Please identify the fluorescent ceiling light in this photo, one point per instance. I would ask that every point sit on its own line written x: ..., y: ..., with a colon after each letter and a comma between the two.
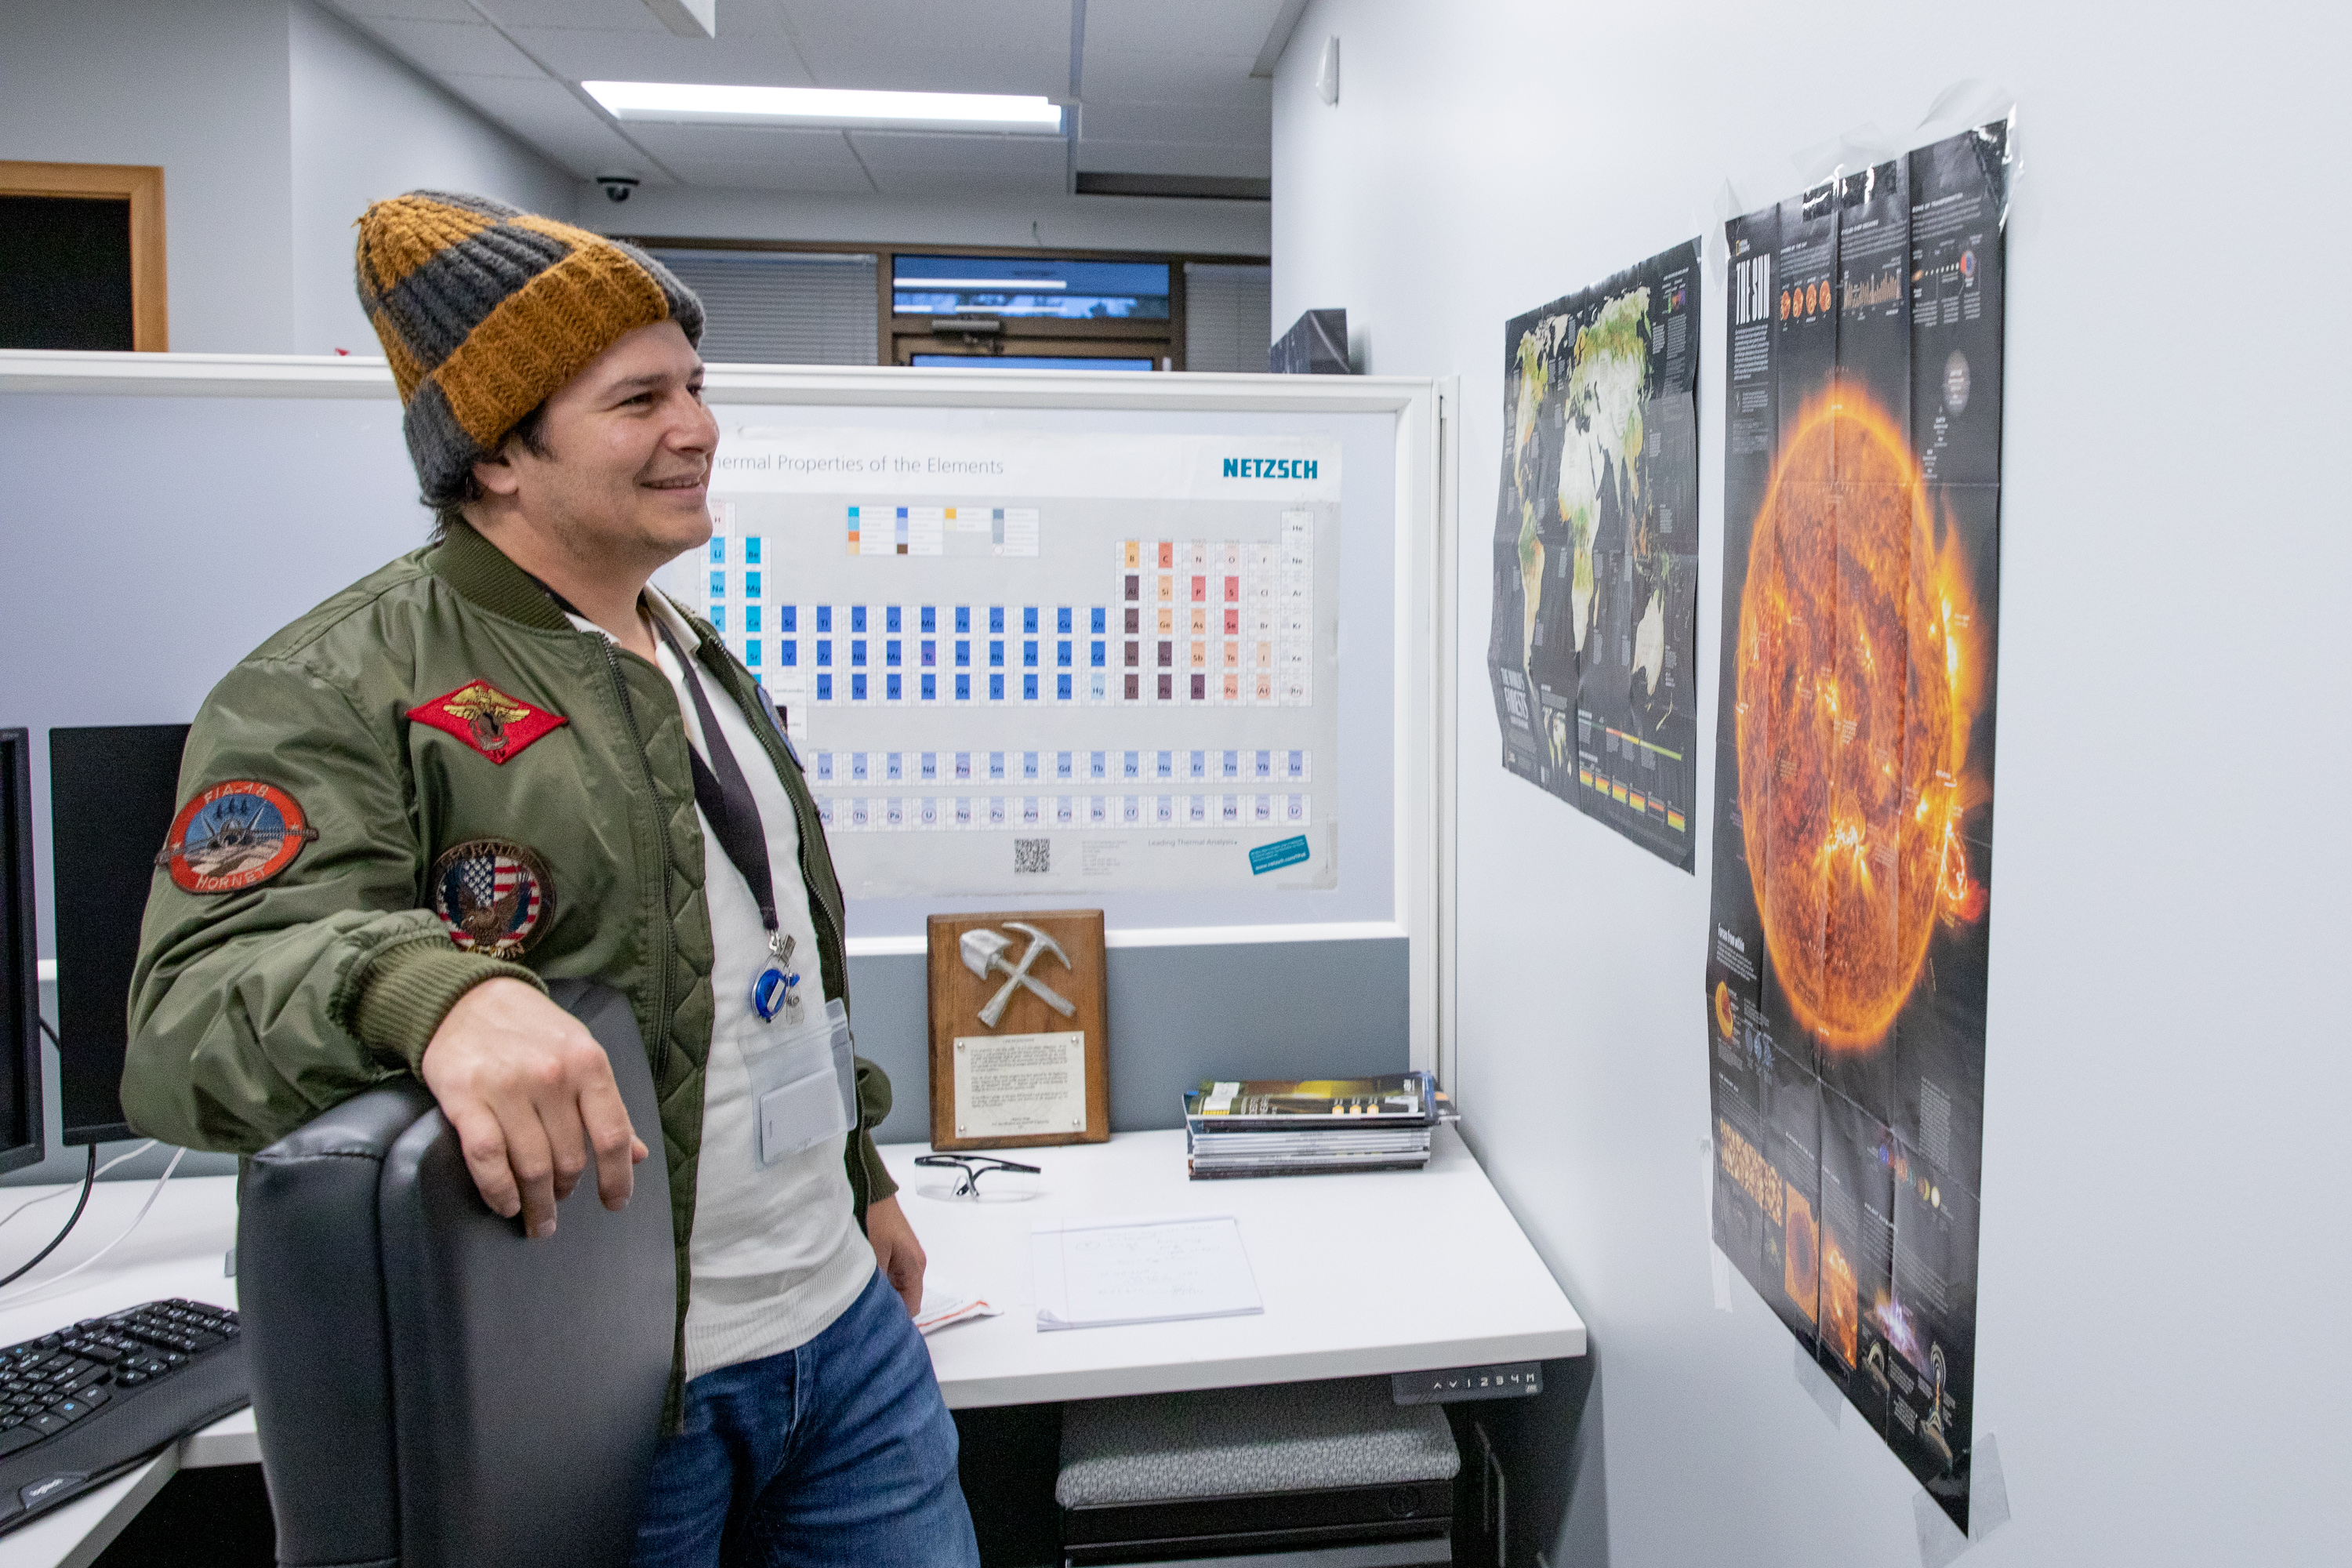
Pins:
x: 696, y: 103
x: 997, y: 285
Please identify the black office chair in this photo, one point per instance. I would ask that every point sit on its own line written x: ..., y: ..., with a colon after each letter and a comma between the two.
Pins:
x: 433, y: 1389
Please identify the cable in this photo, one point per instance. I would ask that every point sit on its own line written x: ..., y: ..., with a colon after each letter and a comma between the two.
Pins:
x: 48, y: 1197
x: 29, y: 1203
x: 61, y: 1192
x: 88, y: 1182
x: 35, y: 1292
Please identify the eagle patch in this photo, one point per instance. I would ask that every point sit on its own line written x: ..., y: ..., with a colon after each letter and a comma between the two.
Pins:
x: 493, y: 894
x: 497, y: 726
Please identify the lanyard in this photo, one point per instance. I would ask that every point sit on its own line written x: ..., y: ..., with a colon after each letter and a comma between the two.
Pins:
x: 725, y: 796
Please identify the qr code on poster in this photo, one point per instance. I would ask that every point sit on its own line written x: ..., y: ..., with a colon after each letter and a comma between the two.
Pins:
x: 1032, y: 857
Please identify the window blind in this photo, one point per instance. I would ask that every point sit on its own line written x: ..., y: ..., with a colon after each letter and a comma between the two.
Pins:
x: 777, y: 307
x: 1228, y: 316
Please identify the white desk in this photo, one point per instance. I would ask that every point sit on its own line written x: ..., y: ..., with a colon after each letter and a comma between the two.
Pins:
x: 179, y: 1250
x: 1388, y: 1271
x: 1385, y: 1271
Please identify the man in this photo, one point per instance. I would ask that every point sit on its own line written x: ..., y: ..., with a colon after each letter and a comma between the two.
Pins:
x: 502, y: 760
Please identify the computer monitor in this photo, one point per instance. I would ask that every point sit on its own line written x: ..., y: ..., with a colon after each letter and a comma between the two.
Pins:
x: 112, y: 794
x: 20, y: 987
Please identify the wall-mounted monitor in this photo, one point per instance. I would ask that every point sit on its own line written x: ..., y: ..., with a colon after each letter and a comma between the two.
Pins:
x: 1039, y: 287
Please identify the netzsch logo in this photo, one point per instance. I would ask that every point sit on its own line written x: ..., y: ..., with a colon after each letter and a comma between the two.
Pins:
x: 1270, y: 467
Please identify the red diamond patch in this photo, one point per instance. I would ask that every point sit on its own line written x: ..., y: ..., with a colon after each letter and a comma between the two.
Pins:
x: 499, y: 726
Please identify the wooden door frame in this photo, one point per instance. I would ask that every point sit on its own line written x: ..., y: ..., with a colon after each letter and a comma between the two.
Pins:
x: 140, y: 184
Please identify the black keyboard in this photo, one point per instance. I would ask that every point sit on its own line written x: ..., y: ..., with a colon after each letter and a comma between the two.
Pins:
x: 80, y: 1406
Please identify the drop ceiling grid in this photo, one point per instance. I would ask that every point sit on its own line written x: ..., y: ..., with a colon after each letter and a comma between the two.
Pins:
x: 547, y: 116
x: 757, y: 158
x: 1228, y: 28
x: 913, y: 163
x: 1166, y: 90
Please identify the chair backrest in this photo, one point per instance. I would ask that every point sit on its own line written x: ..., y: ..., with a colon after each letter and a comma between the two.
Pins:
x: 432, y: 1388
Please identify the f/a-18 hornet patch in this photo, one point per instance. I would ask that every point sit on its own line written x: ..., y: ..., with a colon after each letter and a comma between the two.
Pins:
x: 499, y: 726
x: 234, y: 836
x: 493, y: 894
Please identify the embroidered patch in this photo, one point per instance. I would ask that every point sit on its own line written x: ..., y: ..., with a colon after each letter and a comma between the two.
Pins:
x: 499, y: 726
x: 232, y: 836
x: 493, y: 894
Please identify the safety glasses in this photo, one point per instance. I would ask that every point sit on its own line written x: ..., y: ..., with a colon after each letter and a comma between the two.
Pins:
x: 971, y: 1168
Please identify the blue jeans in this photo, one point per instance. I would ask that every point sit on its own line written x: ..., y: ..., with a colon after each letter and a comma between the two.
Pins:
x: 840, y: 1452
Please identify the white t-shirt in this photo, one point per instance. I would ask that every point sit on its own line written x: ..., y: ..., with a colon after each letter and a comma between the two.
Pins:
x: 776, y: 1254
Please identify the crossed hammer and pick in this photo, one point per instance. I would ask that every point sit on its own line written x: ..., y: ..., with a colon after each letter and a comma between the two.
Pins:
x: 983, y: 954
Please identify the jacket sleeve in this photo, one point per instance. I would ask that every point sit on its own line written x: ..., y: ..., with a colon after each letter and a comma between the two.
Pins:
x: 252, y: 1011
x: 869, y: 1179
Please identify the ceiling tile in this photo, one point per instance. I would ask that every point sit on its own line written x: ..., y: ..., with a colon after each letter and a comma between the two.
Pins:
x: 1250, y: 126
x: 1163, y: 76
x: 913, y: 163
x: 619, y: 16
x: 727, y: 174
x: 1234, y: 161
x: 588, y: 53
x: 1201, y: 26
x: 545, y: 114
x: 934, y: 45
x: 1166, y: 90
x: 1024, y: 73
x: 441, y: 49
x: 756, y: 158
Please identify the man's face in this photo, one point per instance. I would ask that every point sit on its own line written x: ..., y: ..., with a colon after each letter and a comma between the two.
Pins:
x: 628, y: 448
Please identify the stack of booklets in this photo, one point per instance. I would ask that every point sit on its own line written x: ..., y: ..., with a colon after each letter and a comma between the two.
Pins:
x: 1288, y: 1127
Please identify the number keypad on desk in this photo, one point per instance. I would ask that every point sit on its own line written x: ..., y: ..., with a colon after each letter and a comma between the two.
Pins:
x: 81, y: 1404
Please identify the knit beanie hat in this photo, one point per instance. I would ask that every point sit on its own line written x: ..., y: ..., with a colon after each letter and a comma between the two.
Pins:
x: 486, y: 312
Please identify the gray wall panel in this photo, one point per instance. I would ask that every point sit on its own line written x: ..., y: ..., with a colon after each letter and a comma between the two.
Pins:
x: 1178, y: 1014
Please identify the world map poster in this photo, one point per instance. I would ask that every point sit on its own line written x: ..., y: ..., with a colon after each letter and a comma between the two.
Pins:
x: 1596, y: 551
x: 1853, y: 864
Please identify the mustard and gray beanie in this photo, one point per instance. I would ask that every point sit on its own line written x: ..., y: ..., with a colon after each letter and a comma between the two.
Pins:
x: 486, y: 312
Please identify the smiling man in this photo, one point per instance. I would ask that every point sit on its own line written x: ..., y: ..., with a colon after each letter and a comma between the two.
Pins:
x: 503, y: 760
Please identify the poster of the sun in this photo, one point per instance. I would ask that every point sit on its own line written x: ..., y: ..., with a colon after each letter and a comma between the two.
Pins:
x: 1852, y: 865
x: 1596, y: 551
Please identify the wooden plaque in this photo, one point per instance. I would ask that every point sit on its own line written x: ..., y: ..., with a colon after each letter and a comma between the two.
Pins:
x: 1023, y: 1081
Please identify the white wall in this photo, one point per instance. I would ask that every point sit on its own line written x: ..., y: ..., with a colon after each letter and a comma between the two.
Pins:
x: 1061, y: 222
x: 2164, y: 1282
x: 198, y: 88
x: 275, y: 125
x: 366, y: 127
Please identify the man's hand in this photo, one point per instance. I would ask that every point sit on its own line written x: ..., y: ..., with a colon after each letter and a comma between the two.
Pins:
x: 896, y: 1250
x: 530, y: 1092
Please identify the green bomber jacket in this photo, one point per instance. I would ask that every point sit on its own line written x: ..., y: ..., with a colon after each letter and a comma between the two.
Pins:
x: 304, y: 981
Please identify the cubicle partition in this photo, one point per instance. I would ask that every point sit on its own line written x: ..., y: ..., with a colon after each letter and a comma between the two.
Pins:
x: 167, y: 512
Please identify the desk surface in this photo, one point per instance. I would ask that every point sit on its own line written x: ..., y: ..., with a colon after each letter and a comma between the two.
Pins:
x: 1387, y: 1271
x: 181, y: 1249
x: 1379, y: 1272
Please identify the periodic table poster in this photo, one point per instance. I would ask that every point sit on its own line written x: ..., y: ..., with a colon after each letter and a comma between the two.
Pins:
x: 1033, y: 661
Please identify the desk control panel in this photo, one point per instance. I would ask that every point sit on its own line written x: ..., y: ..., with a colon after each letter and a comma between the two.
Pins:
x: 1507, y: 1380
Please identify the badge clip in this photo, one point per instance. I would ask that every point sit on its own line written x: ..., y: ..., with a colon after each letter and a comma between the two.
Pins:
x: 777, y: 987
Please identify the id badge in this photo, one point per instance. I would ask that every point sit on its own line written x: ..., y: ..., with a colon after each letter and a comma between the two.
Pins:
x: 795, y: 1093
